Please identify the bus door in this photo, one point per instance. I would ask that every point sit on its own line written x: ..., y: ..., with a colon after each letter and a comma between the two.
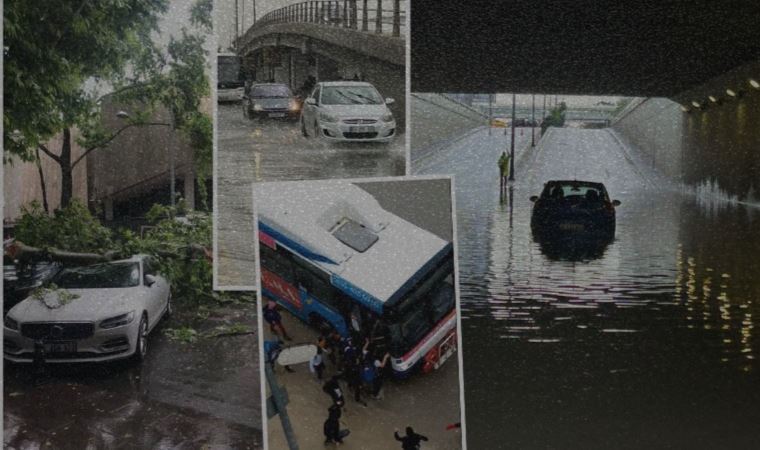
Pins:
x: 321, y: 300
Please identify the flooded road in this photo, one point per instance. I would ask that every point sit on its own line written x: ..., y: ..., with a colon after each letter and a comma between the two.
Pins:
x: 201, y: 395
x: 647, y: 342
x: 274, y: 150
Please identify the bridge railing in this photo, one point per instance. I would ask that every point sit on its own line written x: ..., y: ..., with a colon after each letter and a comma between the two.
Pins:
x: 371, y: 16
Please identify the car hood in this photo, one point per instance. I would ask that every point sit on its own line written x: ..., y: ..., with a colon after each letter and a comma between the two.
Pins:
x: 90, y: 305
x: 272, y: 102
x: 347, y: 111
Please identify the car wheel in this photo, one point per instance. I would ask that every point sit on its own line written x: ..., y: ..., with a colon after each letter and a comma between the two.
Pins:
x: 141, y: 347
x: 303, y: 128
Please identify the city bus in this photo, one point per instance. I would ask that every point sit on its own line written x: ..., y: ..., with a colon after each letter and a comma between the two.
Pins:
x: 229, y: 78
x: 334, y: 258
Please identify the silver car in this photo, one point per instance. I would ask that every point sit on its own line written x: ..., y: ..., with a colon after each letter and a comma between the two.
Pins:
x: 348, y: 111
x: 98, y: 313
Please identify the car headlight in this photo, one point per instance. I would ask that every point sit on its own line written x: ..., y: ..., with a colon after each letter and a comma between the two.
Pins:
x: 388, y: 118
x: 294, y: 105
x: 118, y: 321
x: 257, y: 107
x: 11, y: 323
x: 327, y: 118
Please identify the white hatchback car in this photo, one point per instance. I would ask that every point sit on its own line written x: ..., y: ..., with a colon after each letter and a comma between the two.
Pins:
x: 99, y: 313
x: 348, y: 111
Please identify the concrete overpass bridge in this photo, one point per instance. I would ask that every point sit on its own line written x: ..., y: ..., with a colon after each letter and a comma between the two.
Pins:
x: 331, y: 40
x: 696, y: 63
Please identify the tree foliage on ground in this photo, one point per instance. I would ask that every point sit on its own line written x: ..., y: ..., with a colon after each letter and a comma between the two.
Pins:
x: 179, y: 243
x: 556, y: 117
x: 70, y: 229
x: 57, y: 52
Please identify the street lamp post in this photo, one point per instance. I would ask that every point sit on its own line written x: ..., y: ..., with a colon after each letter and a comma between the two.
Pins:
x: 172, y: 193
x: 512, y: 142
x: 533, y: 121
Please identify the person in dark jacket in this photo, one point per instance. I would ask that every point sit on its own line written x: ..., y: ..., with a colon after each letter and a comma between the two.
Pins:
x: 332, y: 388
x: 274, y: 319
x: 411, y: 441
x: 331, y: 427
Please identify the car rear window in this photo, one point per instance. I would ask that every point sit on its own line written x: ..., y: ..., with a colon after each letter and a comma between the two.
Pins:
x: 270, y: 91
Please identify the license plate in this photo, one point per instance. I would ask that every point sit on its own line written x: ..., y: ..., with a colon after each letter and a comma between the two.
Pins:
x: 61, y: 347
x: 571, y: 226
x: 276, y: 114
x: 361, y: 129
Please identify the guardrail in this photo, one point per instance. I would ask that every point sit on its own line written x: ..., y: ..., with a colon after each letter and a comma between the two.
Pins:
x: 371, y: 16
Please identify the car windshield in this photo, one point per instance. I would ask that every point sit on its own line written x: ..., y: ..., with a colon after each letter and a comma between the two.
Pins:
x: 422, y: 309
x: 350, y: 95
x: 270, y: 91
x: 109, y: 275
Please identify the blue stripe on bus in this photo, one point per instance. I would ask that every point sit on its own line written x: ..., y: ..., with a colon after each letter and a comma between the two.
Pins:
x: 419, y: 274
x: 357, y: 293
x: 295, y: 246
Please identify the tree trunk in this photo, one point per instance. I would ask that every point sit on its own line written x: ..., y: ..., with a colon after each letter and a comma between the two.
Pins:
x: 42, y: 182
x: 67, y: 180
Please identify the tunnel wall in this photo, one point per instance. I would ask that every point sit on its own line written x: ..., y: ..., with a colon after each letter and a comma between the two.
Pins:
x: 715, y: 151
x: 437, y: 119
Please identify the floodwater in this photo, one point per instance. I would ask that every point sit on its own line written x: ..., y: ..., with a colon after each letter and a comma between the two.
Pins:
x: 251, y: 151
x: 649, y: 341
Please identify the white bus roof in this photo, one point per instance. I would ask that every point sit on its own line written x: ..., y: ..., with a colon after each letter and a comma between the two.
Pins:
x: 304, y: 217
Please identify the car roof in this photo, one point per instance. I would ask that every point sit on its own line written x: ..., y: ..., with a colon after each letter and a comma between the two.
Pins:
x: 576, y: 183
x: 345, y: 83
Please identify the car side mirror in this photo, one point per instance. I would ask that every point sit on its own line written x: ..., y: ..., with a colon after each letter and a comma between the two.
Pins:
x: 616, y: 203
x: 150, y: 280
x: 534, y: 198
x: 389, y: 101
x: 311, y: 101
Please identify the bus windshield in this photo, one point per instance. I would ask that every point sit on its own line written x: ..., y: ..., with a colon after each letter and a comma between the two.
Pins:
x: 428, y: 302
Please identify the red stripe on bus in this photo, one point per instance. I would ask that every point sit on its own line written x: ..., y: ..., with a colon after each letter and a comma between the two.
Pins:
x: 432, y: 332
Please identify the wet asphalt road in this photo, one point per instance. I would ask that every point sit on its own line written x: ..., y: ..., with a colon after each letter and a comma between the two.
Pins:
x: 274, y: 150
x: 648, y: 342
x: 184, y: 396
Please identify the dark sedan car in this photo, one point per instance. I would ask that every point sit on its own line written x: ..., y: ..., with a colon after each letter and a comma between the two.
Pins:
x: 18, y: 282
x: 271, y: 100
x: 571, y: 208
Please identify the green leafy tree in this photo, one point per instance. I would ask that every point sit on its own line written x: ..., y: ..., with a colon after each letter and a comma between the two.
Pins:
x: 556, y: 117
x: 70, y: 229
x: 57, y: 51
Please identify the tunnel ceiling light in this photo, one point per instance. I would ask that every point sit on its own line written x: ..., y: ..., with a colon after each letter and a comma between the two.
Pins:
x: 730, y: 93
x: 712, y: 99
x: 696, y: 104
x: 754, y: 83
x: 684, y: 109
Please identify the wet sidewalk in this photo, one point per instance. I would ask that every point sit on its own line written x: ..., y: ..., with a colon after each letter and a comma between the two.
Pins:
x: 204, y: 395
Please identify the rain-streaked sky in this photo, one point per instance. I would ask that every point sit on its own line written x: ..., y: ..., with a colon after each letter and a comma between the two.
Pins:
x: 570, y: 100
x: 224, y: 16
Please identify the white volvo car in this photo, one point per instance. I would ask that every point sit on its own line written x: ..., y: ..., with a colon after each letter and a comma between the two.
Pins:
x: 348, y: 111
x: 97, y: 313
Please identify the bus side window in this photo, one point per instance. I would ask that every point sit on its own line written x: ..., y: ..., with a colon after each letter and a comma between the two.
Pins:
x: 318, y: 285
x: 276, y: 262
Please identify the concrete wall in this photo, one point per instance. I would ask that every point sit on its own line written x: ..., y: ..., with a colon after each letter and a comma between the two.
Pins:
x: 21, y: 180
x: 715, y: 150
x: 437, y: 119
x: 138, y: 160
